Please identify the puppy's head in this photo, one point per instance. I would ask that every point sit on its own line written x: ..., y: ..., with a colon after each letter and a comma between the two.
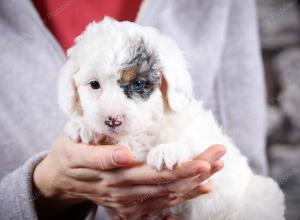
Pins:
x: 120, y: 77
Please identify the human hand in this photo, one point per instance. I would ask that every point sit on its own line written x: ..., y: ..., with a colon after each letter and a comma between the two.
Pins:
x: 180, y: 186
x: 68, y: 171
x: 72, y: 173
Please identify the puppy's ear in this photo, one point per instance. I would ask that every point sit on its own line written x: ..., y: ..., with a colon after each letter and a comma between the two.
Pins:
x: 176, y: 80
x: 68, y: 98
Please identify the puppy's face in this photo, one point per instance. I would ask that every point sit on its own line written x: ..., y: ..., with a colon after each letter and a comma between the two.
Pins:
x: 113, y: 77
x: 122, y: 95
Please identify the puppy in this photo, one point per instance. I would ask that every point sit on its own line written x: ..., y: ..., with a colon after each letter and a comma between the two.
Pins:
x: 129, y: 85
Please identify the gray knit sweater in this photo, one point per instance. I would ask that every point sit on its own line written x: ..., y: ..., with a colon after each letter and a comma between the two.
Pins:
x: 220, y: 41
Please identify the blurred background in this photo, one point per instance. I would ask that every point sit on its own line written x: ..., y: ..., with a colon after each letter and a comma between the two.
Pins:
x: 279, y: 22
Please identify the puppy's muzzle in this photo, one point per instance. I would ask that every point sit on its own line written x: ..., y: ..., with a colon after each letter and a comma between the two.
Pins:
x: 113, y: 121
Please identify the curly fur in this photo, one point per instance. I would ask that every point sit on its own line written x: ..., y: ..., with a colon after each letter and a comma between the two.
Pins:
x: 163, y: 126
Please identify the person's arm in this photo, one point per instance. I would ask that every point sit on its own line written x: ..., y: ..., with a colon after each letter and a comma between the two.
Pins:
x: 17, y: 194
x: 19, y: 197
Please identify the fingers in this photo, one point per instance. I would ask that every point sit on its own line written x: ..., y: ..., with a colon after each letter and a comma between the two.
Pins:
x: 136, y: 194
x: 85, y: 174
x: 105, y: 157
x: 188, y: 184
x: 200, y: 190
x: 140, y: 193
x: 191, y: 168
x: 141, y: 209
x: 212, y: 154
x: 218, y: 165
x: 190, y: 188
x: 144, y: 175
x: 151, y: 205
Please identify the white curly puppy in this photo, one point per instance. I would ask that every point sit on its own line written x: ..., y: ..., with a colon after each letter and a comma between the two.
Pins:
x: 130, y: 85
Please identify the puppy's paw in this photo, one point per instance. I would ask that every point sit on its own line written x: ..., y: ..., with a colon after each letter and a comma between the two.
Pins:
x: 168, y: 155
x: 78, y: 131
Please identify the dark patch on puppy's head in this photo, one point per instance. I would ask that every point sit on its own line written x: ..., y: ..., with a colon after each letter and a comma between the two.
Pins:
x: 129, y: 74
x: 140, y: 76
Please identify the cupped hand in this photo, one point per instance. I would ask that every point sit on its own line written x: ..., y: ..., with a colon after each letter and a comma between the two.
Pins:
x: 107, y: 175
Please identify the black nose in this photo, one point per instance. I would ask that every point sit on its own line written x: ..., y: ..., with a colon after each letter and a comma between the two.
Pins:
x: 113, y: 122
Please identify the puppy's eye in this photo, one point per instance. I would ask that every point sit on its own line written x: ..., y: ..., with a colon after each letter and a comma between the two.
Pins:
x: 138, y: 85
x: 95, y: 84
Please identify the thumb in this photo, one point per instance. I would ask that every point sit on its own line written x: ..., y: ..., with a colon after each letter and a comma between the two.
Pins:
x: 103, y: 157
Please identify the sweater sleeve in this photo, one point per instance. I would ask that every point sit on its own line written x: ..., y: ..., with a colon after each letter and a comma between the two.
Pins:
x: 16, y: 189
x: 18, y: 195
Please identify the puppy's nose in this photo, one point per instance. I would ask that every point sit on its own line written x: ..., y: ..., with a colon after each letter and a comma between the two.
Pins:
x: 113, y: 121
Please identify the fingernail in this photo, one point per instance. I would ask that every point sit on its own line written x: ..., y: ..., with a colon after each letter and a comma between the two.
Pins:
x: 222, y: 152
x: 218, y: 166
x: 121, y: 156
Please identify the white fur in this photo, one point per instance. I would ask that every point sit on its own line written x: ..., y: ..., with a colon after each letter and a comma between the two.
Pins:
x: 163, y: 138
